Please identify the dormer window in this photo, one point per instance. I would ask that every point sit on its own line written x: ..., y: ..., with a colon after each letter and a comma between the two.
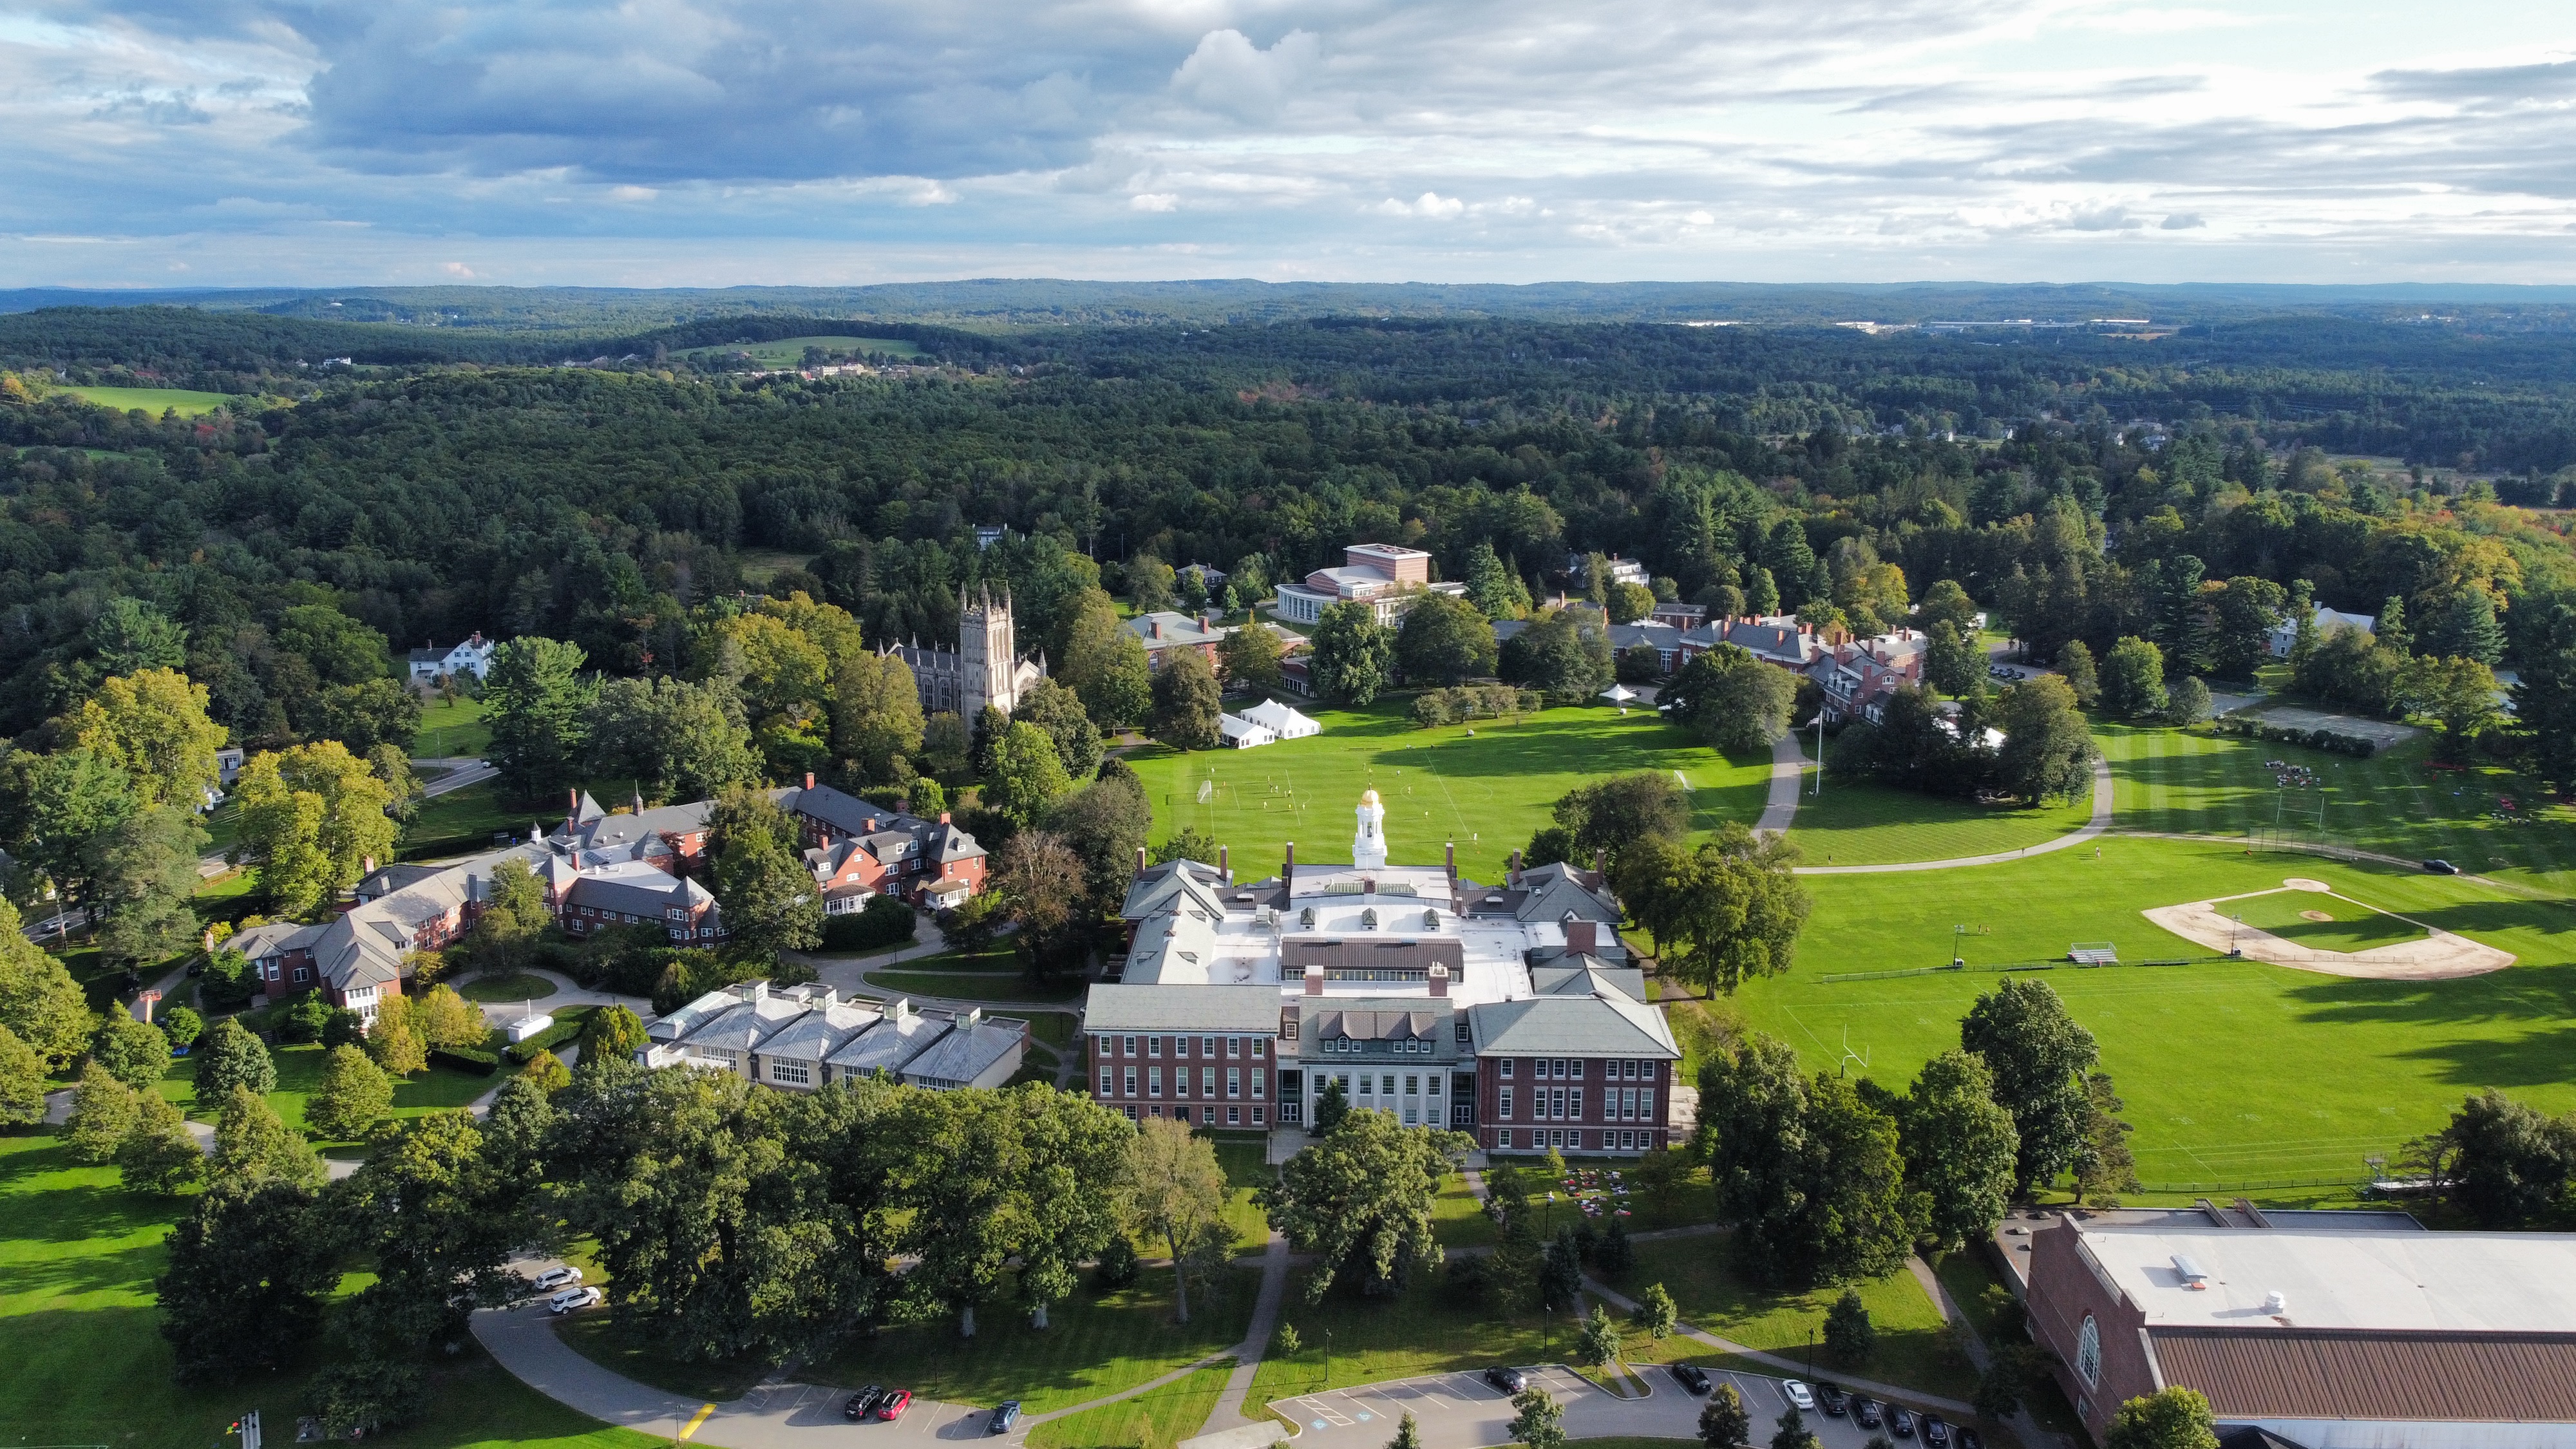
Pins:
x: 1306, y: 919
x: 1368, y: 919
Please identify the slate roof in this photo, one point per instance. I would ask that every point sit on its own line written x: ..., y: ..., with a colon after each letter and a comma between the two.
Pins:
x: 1592, y: 1026
x: 1223, y: 1010
x: 888, y: 1045
x: 970, y: 1047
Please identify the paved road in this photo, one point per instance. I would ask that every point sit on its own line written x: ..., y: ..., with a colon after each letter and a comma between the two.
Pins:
x: 1462, y: 1411
x: 2092, y: 830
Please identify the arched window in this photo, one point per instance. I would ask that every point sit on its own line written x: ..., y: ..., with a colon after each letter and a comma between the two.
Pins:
x: 2088, y: 1352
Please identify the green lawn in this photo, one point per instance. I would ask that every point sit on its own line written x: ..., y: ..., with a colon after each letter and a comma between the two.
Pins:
x: 2349, y: 1067
x: 451, y: 729
x: 464, y: 821
x: 299, y: 1072
x: 1967, y: 1274
x: 517, y: 986
x: 1861, y: 823
x: 1245, y: 1173
x: 1424, y: 1329
x: 2396, y: 803
x: 1155, y: 1419
x: 2349, y: 925
x: 87, y: 1368
x: 153, y: 400
x: 1915, y: 1350
x: 1439, y: 785
x: 1095, y: 1344
x: 975, y: 985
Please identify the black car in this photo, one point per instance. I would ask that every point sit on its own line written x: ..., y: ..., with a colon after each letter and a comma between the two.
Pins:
x: 1865, y: 1413
x: 1003, y: 1418
x: 1899, y: 1422
x: 1509, y: 1380
x: 862, y: 1403
x: 1692, y: 1377
x: 1936, y: 1433
x: 1832, y: 1400
x: 2441, y: 867
x: 1968, y: 1438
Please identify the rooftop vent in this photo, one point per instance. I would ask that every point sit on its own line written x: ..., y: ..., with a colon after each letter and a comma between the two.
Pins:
x: 2276, y: 1302
x: 2194, y: 1276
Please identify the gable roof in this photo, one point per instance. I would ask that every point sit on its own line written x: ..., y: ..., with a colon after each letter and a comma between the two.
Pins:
x: 1592, y: 1026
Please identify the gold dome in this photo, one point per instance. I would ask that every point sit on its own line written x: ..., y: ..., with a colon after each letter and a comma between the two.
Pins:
x: 1368, y: 797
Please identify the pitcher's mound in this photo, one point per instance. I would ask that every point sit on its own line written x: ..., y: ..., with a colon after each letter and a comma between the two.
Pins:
x: 2314, y: 916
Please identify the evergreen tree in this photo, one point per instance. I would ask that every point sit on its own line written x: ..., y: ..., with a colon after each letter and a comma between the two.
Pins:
x: 538, y: 709
x: 231, y: 1057
x: 2075, y: 664
x: 253, y: 1145
x: 1656, y: 1312
x: 1723, y: 1422
x: 135, y: 1052
x: 1408, y: 1434
x: 1538, y: 1421
x: 104, y: 1113
x: 2466, y: 628
x: 353, y: 1093
x: 160, y: 1154
x: 1849, y: 1335
x: 2391, y: 630
x: 2105, y: 1165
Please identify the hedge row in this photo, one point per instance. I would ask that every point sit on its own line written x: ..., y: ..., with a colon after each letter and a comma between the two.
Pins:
x: 466, y: 1059
x: 567, y: 1026
x: 2355, y: 745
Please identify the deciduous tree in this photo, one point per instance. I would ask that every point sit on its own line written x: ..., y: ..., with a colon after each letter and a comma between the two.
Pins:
x: 152, y: 725
x: 253, y: 1145
x: 2038, y: 1056
x: 1656, y: 1313
x: 1959, y: 1147
x: 311, y: 819
x: 1027, y: 774
x: 1353, y: 655
x: 22, y: 1080
x: 134, y: 1052
x: 1176, y: 1190
x: 250, y: 1269
x: 1537, y: 1420
x: 353, y: 1094
x: 160, y: 1154
x: 2172, y: 1418
x: 758, y: 876
x: 395, y: 1041
x: 1720, y: 912
x: 1058, y: 711
x: 1444, y: 640
x: 1187, y: 702
x: 1249, y: 658
x: 1359, y: 1198
x: 1106, y: 665
x: 2048, y: 750
x: 2502, y: 1161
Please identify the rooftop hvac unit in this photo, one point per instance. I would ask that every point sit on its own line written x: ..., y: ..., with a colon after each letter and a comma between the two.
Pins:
x: 2276, y: 1303
x: 2194, y: 1276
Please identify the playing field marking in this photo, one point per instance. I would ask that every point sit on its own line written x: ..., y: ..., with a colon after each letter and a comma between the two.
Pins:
x: 690, y: 1430
x: 1684, y: 781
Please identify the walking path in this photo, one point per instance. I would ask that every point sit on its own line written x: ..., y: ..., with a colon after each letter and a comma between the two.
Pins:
x: 2024, y: 1427
x: 1795, y: 1368
x: 2093, y: 829
x: 1788, y: 775
x: 1228, y: 1413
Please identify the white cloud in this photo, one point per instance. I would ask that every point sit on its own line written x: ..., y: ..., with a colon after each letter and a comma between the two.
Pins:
x: 1154, y: 201
x: 1429, y: 203
x: 458, y: 270
x: 1228, y: 73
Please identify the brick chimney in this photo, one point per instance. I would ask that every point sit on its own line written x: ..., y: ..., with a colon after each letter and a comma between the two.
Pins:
x: 1512, y: 877
x: 1154, y: 627
x: 943, y: 817
x: 1600, y: 861
x: 1583, y: 936
x: 1140, y: 860
x: 809, y: 779
x: 1453, y: 863
x: 872, y: 825
x: 1315, y: 980
x: 1225, y: 864
x: 1439, y: 982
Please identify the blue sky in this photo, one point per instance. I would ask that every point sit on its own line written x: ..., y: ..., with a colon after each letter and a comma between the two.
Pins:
x: 719, y: 142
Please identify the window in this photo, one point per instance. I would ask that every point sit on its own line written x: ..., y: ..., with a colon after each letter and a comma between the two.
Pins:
x: 1108, y: 1081
x: 1576, y: 1111
x: 1233, y: 1116
x: 1154, y: 1085
x: 1153, y: 1046
x: 1131, y: 1114
x: 1627, y: 1141
x: 796, y: 1072
x: 1386, y: 1085
x: 2088, y: 1352
x: 303, y: 973
x: 1128, y: 1047
x: 1100, y: 1046
x: 1646, y: 1106
x: 1158, y: 1109
x: 1368, y: 1085
x: 1207, y: 1046
x: 1259, y: 1114
x: 1578, y: 1071
x: 1631, y: 1069
x: 1507, y: 1069
x: 1257, y: 1085
x: 1507, y: 1109
x: 1131, y: 1085
x: 1207, y: 1081
x: 1257, y: 1045
x: 1233, y: 1081
x: 1412, y: 1115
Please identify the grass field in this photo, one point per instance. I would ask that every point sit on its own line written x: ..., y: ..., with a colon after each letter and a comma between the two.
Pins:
x: 2397, y: 803
x: 1914, y: 1348
x: 1860, y: 823
x: 153, y: 400
x: 517, y: 986
x: 2350, y: 1067
x: 299, y: 1072
x: 790, y: 351
x: 1095, y: 1344
x: 87, y: 1368
x: 1438, y: 785
x: 450, y: 729
x: 463, y: 821
x: 1156, y: 1419
x: 2349, y: 925
x: 1425, y: 1329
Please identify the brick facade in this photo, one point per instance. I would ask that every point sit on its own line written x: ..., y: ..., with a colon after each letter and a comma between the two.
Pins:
x: 2065, y: 1292
x: 1573, y: 1104
x: 1207, y: 1081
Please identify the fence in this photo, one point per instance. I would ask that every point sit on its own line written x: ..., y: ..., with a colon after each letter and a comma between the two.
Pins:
x: 2014, y: 966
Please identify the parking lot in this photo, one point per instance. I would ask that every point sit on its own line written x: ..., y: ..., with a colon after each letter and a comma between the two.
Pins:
x: 1462, y: 1411
x: 813, y: 1406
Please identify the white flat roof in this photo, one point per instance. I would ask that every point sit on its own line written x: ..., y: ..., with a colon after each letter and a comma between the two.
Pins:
x: 2461, y: 1282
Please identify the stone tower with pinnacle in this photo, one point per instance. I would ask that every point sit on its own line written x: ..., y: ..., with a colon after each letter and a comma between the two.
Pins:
x: 990, y: 652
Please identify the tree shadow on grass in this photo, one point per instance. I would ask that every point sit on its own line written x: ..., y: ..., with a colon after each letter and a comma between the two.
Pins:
x: 2527, y: 1009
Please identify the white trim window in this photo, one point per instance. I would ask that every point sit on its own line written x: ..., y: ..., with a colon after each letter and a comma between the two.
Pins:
x: 795, y: 1073
x: 2088, y: 1352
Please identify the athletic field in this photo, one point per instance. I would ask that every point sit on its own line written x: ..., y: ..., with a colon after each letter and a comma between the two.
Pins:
x: 2236, y: 1073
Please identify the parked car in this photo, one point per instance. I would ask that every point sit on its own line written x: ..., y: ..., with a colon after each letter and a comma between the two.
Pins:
x: 1865, y: 1413
x: 1796, y: 1393
x: 1968, y: 1438
x: 1509, y: 1380
x: 553, y: 1278
x: 892, y: 1406
x: 862, y: 1403
x: 1833, y: 1399
x: 1936, y: 1433
x: 1003, y: 1418
x: 1899, y: 1422
x: 572, y: 1299
x: 1692, y: 1377
x: 2441, y: 867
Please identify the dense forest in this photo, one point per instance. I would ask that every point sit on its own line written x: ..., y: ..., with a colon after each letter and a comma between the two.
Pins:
x: 451, y: 479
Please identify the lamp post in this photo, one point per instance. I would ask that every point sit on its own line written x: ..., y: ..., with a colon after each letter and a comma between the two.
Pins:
x: 1328, y: 1358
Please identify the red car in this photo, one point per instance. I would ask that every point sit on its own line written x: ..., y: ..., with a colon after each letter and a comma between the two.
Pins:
x: 894, y: 1405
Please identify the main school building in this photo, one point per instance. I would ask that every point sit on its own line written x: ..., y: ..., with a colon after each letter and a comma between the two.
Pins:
x: 1512, y: 1012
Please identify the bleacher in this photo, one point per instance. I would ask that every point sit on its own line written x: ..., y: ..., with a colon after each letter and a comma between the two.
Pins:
x: 2093, y: 953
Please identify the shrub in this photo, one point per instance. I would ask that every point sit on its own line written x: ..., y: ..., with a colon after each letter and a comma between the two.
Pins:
x: 886, y: 921
x: 567, y: 1025
x: 1117, y: 1267
x: 467, y: 1059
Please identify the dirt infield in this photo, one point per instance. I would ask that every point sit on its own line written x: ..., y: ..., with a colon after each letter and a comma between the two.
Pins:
x: 2440, y: 956
x: 2379, y: 732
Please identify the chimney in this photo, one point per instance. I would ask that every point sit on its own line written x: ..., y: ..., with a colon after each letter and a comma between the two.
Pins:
x: 1288, y: 872
x: 872, y: 825
x: 1453, y: 863
x: 1140, y: 860
x: 1154, y: 627
x: 972, y: 1015
x: 1439, y: 982
x: 143, y: 1003
x: 943, y: 817
x: 809, y: 779
x: 1315, y: 979
x: 1583, y: 936
x: 366, y: 865
x: 1512, y: 877
x: 1600, y: 861
x: 1225, y: 864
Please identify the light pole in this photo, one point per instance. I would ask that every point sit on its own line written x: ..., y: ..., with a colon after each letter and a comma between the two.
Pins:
x: 1328, y: 1358
x: 1820, y: 754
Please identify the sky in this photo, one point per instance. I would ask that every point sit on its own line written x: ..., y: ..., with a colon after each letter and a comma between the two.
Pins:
x: 160, y: 143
